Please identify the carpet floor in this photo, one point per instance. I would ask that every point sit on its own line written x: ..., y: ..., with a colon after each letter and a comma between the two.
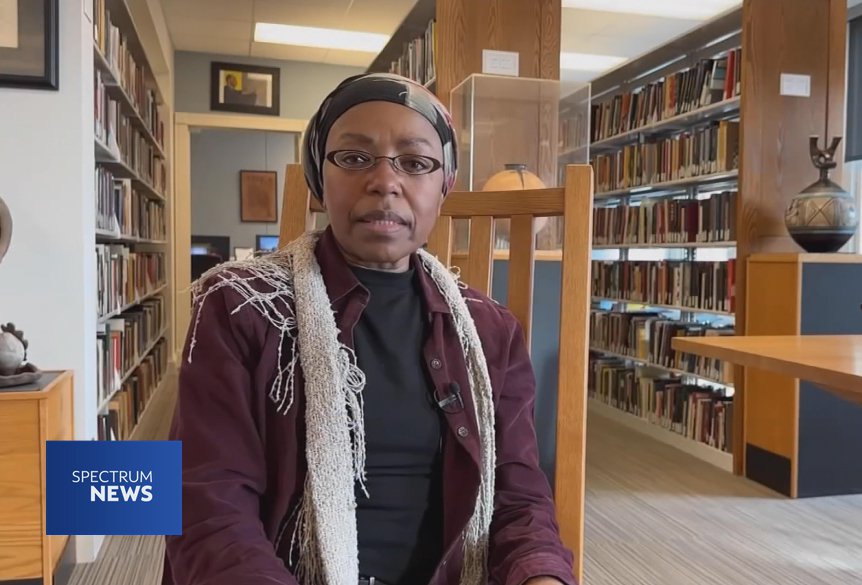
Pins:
x: 654, y: 516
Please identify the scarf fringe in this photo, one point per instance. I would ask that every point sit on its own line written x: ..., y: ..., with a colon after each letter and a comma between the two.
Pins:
x: 287, y: 289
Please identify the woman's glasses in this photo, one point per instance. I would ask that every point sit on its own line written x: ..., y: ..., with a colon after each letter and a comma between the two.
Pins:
x: 358, y: 160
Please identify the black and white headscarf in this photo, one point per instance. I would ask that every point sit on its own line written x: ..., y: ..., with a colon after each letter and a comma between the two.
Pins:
x: 372, y: 87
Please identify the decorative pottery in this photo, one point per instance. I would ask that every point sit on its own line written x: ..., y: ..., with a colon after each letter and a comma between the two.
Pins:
x: 14, y: 369
x: 12, y: 354
x: 823, y: 217
x: 515, y: 177
x: 26, y: 374
x: 5, y: 229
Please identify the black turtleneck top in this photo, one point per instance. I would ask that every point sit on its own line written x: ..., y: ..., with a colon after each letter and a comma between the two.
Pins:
x: 400, y: 521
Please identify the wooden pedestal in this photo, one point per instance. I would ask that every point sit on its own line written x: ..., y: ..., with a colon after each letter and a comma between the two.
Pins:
x: 29, y: 416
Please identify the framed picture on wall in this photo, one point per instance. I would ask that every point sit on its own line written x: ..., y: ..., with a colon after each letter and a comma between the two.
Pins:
x: 247, y: 89
x: 29, y: 41
x: 258, y: 196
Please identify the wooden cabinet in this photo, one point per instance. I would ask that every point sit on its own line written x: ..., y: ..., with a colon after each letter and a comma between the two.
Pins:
x: 801, y: 440
x: 29, y: 416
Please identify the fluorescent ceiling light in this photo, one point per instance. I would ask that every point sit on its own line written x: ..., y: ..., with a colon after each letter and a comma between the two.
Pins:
x: 685, y: 9
x: 586, y: 62
x: 320, y: 38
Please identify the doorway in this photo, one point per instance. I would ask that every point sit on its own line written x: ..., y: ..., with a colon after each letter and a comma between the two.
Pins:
x: 210, y: 151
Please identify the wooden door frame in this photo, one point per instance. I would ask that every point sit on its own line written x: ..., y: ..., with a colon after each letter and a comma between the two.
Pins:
x: 180, y: 217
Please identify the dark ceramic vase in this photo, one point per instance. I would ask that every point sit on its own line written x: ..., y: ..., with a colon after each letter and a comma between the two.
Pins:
x: 823, y: 217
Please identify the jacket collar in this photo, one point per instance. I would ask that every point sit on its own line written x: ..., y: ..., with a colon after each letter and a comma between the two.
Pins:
x: 340, y: 280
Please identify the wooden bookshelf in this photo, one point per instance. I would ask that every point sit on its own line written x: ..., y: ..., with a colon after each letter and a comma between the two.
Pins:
x: 414, y: 38
x: 131, y: 125
x: 772, y: 165
x: 702, y: 451
x: 463, y: 29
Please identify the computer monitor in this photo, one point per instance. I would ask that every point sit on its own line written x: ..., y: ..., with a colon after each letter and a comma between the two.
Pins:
x: 266, y: 243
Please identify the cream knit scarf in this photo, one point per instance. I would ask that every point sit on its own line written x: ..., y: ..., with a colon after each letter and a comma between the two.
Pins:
x: 287, y: 289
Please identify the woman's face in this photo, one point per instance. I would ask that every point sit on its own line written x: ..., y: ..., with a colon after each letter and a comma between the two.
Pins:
x: 381, y: 215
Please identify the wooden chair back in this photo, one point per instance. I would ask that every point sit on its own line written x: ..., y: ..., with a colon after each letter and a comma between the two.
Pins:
x: 573, y: 203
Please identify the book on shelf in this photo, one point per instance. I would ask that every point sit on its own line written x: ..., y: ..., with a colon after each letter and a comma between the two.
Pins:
x: 573, y: 131
x: 124, y: 210
x: 122, y: 342
x: 699, y: 152
x: 131, y: 75
x: 124, y: 276
x: 668, y: 221
x: 125, y: 408
x: 125, y: 141
x: 417, y: 57
x: 699, y: 413
x: 647, y: 335
x: 709, y: 82
x: 707, y: 285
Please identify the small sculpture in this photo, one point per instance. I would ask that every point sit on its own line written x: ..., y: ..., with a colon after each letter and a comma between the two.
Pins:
x: 13, y: 350
x: 823, y: 216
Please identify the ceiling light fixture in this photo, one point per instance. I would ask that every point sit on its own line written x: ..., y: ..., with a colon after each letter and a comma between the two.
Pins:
x: 587, y: 62
x: 319, y: 38
x: 683, y: 9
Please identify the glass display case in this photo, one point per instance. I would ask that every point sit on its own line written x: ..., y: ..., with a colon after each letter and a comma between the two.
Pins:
x: 518, y: 133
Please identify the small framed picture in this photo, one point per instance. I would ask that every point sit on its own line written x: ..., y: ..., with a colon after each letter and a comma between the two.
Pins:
x: 29, y: 41
x: 247, y: 89
x: 258, y: 196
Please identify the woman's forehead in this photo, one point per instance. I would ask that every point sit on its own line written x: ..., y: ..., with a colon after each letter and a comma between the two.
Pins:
x: 404, y: 127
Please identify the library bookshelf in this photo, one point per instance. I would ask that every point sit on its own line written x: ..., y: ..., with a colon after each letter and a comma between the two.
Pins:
x: 440, y: 42
x: 691, y: 180
x: 665, y: 150
x: 132, y: 217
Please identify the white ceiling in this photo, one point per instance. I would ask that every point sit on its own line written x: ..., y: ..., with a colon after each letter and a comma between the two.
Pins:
x: 227, y: 27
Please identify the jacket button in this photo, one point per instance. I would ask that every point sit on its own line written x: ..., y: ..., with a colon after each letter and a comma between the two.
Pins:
x: 463, y: 432
x: 436, y: 364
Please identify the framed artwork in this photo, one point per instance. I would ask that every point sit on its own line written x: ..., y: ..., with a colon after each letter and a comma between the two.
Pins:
x: 29, y: 40
x: 258, y: 196
x: 247, y: 89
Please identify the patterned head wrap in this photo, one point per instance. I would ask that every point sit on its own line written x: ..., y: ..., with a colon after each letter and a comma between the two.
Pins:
x: 368, y: 88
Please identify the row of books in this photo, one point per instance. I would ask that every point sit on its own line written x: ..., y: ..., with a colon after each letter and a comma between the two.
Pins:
x: 128, y: 404
x: 573, y: 132
x: 417, y: 58
x: 711, y: 81
x: 122, y: 341
x: 699, y: 413
x: 647, y: 335
x: 708, y: 285
x: 124, y: 276
x: 114, y: 45
x: 125, y: 140
x: 668, y: 221
x: 693, y: 153
x: 124, y: 211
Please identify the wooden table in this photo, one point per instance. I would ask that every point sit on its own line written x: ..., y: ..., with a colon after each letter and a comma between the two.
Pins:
x: 831, y: 361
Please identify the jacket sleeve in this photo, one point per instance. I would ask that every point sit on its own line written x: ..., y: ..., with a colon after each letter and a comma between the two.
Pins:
x: 524, y: 540
x: 224, y: 472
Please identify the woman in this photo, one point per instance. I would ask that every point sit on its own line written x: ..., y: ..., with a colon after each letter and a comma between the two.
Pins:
x: 350, y: 413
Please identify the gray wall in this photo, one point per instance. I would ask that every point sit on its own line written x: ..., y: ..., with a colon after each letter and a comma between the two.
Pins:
x: 303, y: 85
x: 544, y: 350
x: 217, y: 158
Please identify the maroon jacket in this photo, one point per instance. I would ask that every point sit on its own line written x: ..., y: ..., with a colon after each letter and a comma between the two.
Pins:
x: 244, y: 464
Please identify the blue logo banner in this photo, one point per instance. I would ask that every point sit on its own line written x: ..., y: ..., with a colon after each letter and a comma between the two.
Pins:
x: 114, y: 487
